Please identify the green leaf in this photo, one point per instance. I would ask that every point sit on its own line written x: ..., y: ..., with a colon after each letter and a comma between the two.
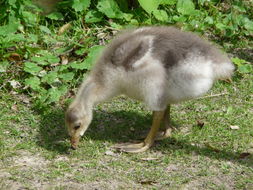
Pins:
x: 81, y: 51
x: 32, y: 38
x: 67, y: 76
x: 93, y: 16
x: 63, y: 67
x: 45, y: 29
x: 50, y: 78
x: 15, y: 38
x: 77, y: 65
x: 179, y: 18
x: 55, y: 16
x: 40, y: 60
x: 221, y: 26
x: 242, y: 65
x: 54, y: 94
x: 92, y: 56
x: 42, y: 95
x: 46, y: 59
x: 64, y: 50
x: 86, y: 64
x: 8, y: 29
x: 52, y: 58
x: 134, y: 22
x: 42, y: 52
x: 12, y: 2
x: 116, y: 26
x: 237, y: 61
x: 168, y: 2
x: 160, y: 15
x: 90, y: 60
x: 248, y: 24
x: 127, y: 16
x: 110, y: 8
x: 95, y: 51
x: 185, y: 7
x: 32, y: 68
x: 33, y: 82
x: 209, y: 20
x: 29, y: 17
x: 246, y: 68
x: 80, y: 5
x: 149, y: 5
x: 240, y: 8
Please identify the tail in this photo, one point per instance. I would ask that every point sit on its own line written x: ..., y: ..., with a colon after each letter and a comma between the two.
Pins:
x: 223, y: 70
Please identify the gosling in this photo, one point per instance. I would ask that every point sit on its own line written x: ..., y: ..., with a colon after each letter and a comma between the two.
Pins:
x: 159, y: 66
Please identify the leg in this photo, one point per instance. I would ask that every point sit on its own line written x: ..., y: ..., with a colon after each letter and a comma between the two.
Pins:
x: 149, y: 140
x: 166, y: 127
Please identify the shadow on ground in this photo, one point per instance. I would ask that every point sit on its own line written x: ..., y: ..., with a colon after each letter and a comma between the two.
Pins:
x: 113, y: 127
x: 52, y: 132
x: 120, y: 126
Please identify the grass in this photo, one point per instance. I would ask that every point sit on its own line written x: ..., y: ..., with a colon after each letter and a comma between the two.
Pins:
x: 35, y: 151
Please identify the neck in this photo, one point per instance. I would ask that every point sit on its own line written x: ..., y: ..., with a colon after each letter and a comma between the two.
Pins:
x: 89, y: 95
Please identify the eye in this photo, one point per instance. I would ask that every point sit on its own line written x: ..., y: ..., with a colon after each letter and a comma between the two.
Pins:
x: 76, y: 127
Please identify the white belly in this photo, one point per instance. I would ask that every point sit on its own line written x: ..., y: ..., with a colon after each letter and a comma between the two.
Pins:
x: 190, y: 79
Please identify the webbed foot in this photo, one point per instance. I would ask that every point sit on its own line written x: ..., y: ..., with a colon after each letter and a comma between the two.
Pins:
x: 149, y: 140
x: 133, y: 147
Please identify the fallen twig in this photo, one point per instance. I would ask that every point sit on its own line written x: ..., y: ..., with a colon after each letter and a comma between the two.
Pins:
x: 213, y: 95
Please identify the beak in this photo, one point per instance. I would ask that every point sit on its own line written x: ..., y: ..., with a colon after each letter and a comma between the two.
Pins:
x: 74, y: 141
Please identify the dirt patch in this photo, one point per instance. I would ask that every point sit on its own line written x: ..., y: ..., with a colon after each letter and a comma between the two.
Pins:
x: 61, y: 158
x: 7, y: 184
x: 4, y: 174
x: 32, y: 165
x: 25, y: 162
x: 217, y: 182
x: 109, y: 185
x: 28, y: 159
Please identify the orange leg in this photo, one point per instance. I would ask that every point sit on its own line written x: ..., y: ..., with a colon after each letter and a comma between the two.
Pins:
x: 166, y: 127
x: 149, y: 140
